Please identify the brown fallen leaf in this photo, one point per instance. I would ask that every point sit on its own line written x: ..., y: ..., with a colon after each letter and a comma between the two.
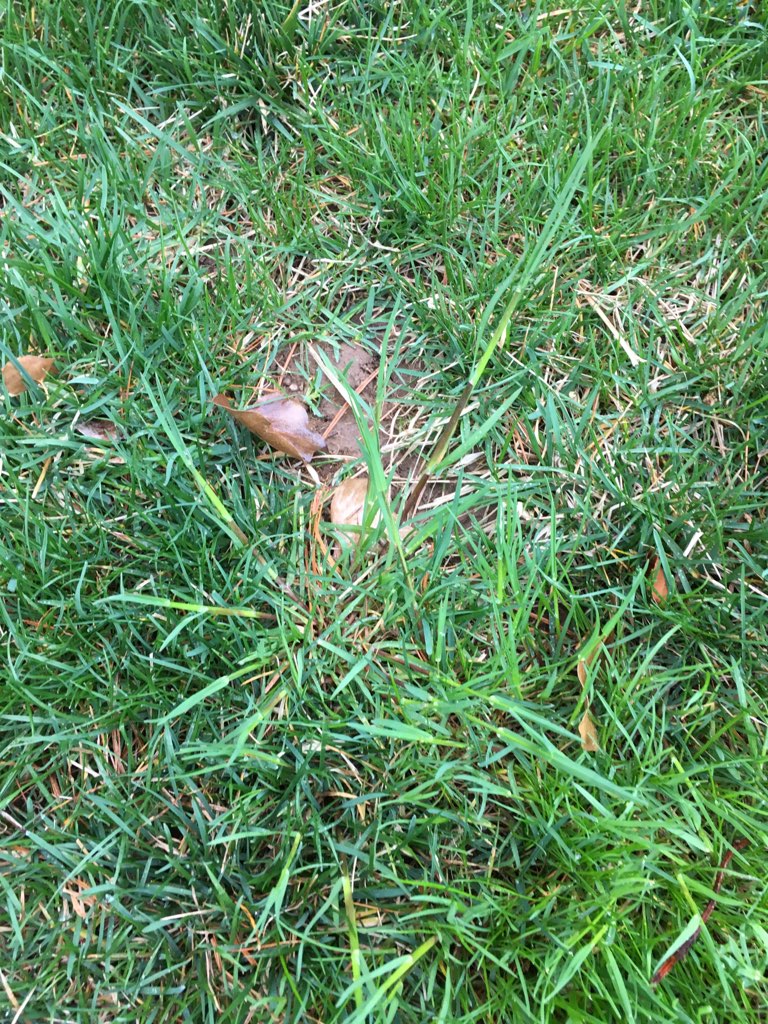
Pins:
x: 582, y: 667
x: 660, y: 588
x: 587, y: 728
x: 348, y: 502
x: 281, y: 422
x: 37, y: 367
x: 588, y: 733
x: 98, y: 430
x: 348, y: 509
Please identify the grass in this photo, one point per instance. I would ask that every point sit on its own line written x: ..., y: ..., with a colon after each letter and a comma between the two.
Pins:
x: 239, y: 783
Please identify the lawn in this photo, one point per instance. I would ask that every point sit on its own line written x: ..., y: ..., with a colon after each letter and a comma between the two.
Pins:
x: 480, y: 758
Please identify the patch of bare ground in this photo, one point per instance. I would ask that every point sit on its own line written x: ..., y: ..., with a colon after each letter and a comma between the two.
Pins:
x: 360, y: 368
x: 398, y: 419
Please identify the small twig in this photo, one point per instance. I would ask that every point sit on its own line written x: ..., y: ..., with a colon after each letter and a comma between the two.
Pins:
x: 684, y: 949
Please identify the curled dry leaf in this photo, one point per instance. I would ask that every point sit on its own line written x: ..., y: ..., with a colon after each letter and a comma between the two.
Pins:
x: 582, y: 668
x: 589, y: 652
x: 37, y: 367
x: 660, y: 588
x: 348, y: 502
x: 588, y: 733
x: 587, y: 729
x: 348, y: 509
x: 98, y: 430
x: 281, y: 422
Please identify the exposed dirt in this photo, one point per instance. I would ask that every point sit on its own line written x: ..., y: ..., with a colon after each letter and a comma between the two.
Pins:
x: 358, y: 366
x: 399, y: 429
x: 336, y: 422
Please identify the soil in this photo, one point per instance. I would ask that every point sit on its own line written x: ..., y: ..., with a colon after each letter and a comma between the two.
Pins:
x: 357, y: 364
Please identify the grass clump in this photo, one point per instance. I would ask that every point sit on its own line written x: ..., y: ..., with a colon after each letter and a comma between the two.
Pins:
x: 239, y: 782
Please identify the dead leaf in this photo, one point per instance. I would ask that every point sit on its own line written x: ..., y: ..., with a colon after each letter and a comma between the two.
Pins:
x: 582, y: 668
x: 660, y: 588
x: 588, y: 733
x: 587, y: 729
x: 37, y: 367
x: 281, y: 422
x: 348, y: 509
x: 98, y: 430
x: 348, y: 502
x: 80, y: 904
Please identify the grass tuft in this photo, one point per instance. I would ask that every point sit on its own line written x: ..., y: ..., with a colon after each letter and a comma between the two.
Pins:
x: 242, y: 781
